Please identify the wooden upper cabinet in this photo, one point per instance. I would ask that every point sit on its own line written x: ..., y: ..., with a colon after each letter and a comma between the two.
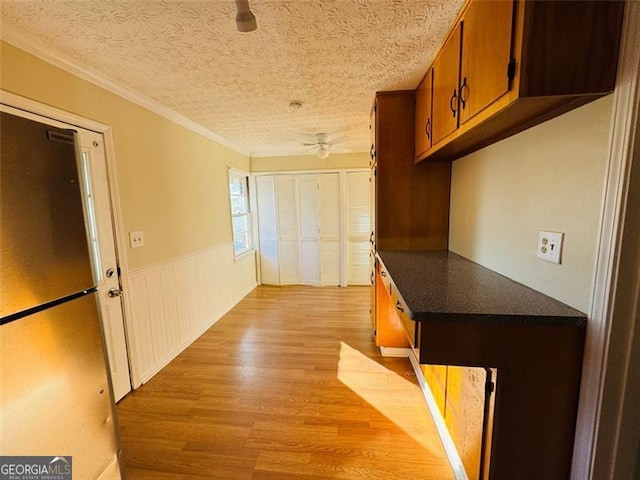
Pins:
x: 446, y: 70
x: 486, y: 54
x: 511, y: 64
x: 424, y: 125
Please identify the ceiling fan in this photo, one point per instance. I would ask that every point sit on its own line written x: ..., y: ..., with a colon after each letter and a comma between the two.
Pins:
x: 323, y: 142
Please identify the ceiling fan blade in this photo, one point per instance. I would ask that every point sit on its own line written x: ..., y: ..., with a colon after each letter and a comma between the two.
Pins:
x: 333, y: 141
x: 310, y: 144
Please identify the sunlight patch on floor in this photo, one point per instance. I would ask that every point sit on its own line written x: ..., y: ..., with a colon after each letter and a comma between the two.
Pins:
x: 398, y: 399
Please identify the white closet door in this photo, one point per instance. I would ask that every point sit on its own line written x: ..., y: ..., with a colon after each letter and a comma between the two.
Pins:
x: 329, y: 184
x: 268, y: 229
x: 309, y: 271
x: 287, y: 207
x: 358, y: 227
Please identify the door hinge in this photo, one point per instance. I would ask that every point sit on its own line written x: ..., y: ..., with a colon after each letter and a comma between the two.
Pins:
x: 489, y: 387
x: 511, y: 69
x: 489, y: 384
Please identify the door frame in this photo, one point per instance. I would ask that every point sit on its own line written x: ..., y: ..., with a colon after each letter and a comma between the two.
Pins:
x: 608, y: 427
x: 31, y: 106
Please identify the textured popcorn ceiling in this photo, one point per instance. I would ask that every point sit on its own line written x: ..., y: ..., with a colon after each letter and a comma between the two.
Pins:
x: 331, y: 55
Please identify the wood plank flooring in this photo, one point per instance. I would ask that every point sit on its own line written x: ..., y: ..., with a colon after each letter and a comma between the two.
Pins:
x: 290, y: 386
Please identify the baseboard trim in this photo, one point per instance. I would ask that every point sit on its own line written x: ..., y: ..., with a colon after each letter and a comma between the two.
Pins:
x: 449, y: 446
x: 395, y: 352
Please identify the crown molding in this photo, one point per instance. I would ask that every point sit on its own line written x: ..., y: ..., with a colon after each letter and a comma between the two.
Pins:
x: 299, y: 153
x: 47, y: 53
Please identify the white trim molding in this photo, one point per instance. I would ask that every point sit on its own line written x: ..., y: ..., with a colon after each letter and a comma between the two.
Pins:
x: 449, y: 446
x: 47, y: 53
x: 605, y: 447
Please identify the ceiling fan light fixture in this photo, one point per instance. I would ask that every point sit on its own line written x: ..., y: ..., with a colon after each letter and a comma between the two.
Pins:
x: 323, y: 152
x: 245, y: 19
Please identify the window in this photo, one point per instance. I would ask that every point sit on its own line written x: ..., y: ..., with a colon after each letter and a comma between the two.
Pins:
x: 240, y: 212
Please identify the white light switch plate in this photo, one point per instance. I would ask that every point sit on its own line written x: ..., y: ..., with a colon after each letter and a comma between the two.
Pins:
x: 136, y: 239
x: 550, y: 246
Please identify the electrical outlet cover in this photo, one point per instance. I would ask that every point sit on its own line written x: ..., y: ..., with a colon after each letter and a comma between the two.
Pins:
x: 136, y: 239
x: 550, y: 246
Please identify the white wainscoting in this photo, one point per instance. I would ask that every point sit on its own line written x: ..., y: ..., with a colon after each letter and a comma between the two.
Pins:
x: 173, y: 303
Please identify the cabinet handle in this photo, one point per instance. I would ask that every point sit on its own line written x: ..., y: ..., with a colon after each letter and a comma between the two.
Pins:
x: 383, y: 273
x: 427, y: 128
x: 452, y: 103
x: 372, y: 278
x: 464, y: 87
x: 399, y: 306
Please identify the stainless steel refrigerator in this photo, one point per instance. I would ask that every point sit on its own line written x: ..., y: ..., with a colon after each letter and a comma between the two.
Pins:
x: 54, y: 382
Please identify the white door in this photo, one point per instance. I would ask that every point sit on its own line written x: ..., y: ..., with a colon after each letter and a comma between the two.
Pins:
x: 287, y: 208
x: 330, y: 221
x: 358, y: 227
x: 268, y: 230
x: 308, y: 213
x: 93, y: 170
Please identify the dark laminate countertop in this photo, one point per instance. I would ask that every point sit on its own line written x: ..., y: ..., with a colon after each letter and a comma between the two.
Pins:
x: 443, y: 287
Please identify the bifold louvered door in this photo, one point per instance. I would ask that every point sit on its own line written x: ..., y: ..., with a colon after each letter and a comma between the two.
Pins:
x: 329, y: 193
x: 302, y: 232
x: 358, y: 206
x: 268, y: 229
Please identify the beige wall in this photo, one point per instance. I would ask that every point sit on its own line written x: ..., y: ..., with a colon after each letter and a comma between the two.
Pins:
x: 310, y: 162
x: 550, y: 177
x: 172, y: 181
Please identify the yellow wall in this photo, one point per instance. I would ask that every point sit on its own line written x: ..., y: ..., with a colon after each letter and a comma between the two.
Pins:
x: 172, y: 181
x: 550, y: 177
x: 310, y: 162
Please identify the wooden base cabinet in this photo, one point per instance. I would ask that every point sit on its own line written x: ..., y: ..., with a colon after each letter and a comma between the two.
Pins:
x: 388, y: 327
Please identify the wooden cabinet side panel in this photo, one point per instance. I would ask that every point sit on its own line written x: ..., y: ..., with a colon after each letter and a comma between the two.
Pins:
x: 394, y: 145
x: 570, y: 47
x: 464, y: 414
x: 446, y: 69
x: 429, y: 209
x: 486, y: 52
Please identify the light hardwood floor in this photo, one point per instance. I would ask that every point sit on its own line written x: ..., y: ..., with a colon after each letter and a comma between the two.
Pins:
x: 288, y: 385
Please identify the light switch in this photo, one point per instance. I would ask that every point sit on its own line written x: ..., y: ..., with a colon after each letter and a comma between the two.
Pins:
x: 136, y: 239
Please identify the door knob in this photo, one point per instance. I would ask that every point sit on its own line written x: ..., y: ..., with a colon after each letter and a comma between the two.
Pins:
x: 114, y: 292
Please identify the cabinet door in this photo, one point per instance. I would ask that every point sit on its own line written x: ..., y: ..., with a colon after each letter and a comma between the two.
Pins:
x: 464, y: 414
x: 446, y: 69
x: 389, y: 331
x: 423, y: 115
x: 436, y: 377
x: 486, y: 52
